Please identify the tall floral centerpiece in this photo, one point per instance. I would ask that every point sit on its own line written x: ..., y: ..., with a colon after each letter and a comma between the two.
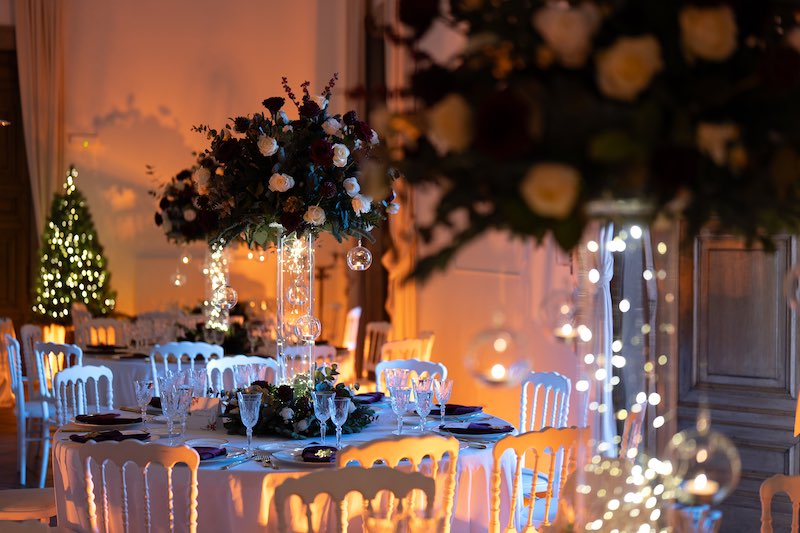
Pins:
x: 273, y: 179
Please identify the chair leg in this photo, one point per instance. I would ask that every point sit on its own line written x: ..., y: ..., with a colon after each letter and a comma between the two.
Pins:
x: 22, y: 449
x: 45, y: 453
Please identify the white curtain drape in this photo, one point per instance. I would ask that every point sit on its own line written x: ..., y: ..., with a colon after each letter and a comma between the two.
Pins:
x: 41, y: 83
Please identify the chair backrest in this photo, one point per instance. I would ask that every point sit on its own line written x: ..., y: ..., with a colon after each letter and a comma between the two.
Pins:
x: 79, y: 313
x: 108, y: 331
x: 427, y: 338
x: 420, y: 368
x: 369, y: 482
x: 633, y: 431
x: 50, y: 359
x: 404, y: 349
x: 176, y: 351
x: 552, y: 448
x: 391, y: 451
x: 14, y: 366
x: 549, y: 400
x: 779, y: 483
x: 71, y: 391
x: 350, y: 333
x: 30, y: 334
x: 120, y: 454
x: 325, y: 354
x: 216, y: 368
x: 375, y: 336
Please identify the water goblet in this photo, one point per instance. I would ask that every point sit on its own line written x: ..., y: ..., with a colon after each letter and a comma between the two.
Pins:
x: 169, y: 405
x: 396, y: 377
x: 243, y: 375
x: 443, y: 388
x: 422, y: 385
x: 249, y: 410
x: 423, y: 408
x: 144, y: 393
x: 184, y: 393
x: 400, y: 398
x: 199, y: 378
x: 322, y: 410
x: 340, y: 408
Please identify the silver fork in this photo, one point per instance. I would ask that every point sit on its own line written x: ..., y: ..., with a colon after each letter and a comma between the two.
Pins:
x: 265, y: 458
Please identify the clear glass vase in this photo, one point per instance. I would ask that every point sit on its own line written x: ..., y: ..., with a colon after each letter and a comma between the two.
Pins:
x: 215, y: 271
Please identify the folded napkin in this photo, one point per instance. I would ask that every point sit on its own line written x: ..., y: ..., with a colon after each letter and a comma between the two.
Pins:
x: 477, y: 428
x: 319, y: 454
x: 453, y: 409
x: 368, y: 397
x: 209, y: 452
x: 105, y: 419
x: 109, y: 434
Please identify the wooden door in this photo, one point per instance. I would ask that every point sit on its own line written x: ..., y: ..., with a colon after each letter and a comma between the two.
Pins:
x: 16, y: 218
x: 738, y: 352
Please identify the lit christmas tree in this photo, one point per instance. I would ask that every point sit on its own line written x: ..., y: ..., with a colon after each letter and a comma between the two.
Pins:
x: 71, y: 263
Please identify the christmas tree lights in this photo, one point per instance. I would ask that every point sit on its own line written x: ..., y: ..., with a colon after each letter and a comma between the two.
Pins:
x: 72, y: 267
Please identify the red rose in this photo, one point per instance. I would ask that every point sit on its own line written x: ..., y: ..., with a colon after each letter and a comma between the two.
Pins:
x: 362, y: 130
x: 321, y: 152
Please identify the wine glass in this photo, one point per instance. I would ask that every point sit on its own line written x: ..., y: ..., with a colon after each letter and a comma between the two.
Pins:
x: 396, y: 377
x: 340, y: 408
x: 184, y: 393
x: 144, y: 393
x: 169, y: 404
x: 249, y: 409
x: 400, y: 398
x: 422, y: 385
x: 199, y: 377
x: 443, y: 388
x: 243, y: 375
x: 322, y: 410
x: 423, y: 408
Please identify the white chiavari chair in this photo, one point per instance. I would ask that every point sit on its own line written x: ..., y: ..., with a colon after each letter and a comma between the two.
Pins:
x: 414, y: 450
x: 549, y: 401
x: 103, y: 331
x: 427, y: 338
x: 6, y: 390
x: 51, y: 358
x: 420, y: 368
x: 216, y: 368
x: 177, y: 352
x: 350, y: 333
x: 773, y: 485
x: 72, y: 386
x: 102, y: 456
x: 369, y: 482
x: 27, y: 504
x: 30, y: 334
x: 375, y: 336
x: 404, y: 349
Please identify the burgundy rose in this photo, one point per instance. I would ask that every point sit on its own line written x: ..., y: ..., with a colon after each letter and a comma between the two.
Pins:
x: 227, y: 150
x: 285, y: 393
x: 322, y: 152
x: 291, y: 221
x: 309, y: 109
x: 163, y: 203
x: 350, y: 118
x: 419, y: 14
x: 184, y: 175
x: 207, y: 220
x: 362, y: 130
x: 503, y: 125
x: 274, y: 104
x: 241, y: 124
x: 159, y: 219
x: 201, y: 202
x: 327, y: 190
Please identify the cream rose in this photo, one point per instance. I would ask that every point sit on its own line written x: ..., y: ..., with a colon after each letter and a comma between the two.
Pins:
x: 320, y: 100
x: 715, y: 140
x: 315, y: 215
x: 568, y: 31
x: 332, y: 127
x: 280, y: 182
x: 201, y: 177
x: 551, y: 189
x: 301, y: 426
x: 267, y: 145
x: 286, y: 413
x: 351, y: 187
x: 708, y: 32
x: 374, y: 139
x: 450, y: 123
x: 340, y: 155
x: 627, y: 67
x: 361, y: 204
x: 393, y: 208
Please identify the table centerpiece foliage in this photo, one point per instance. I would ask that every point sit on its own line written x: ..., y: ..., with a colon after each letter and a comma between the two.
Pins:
x: 288, y: 411
x: 691, y: 107
x: 179, y: 215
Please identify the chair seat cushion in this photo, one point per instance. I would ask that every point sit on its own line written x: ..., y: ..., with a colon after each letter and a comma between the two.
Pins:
x: 27, y: 504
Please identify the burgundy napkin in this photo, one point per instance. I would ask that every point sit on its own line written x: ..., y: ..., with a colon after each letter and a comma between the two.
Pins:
x: 106, y: 419
x: 453, y: 409
x: 478, y: 428
x: 319, y: 454
x: 108, y: 434
x: 209, y: 452
x: 368, y: 397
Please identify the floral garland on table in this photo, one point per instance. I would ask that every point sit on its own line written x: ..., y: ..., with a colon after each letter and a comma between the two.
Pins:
x: 691, y: 106
x: 304, y: 174
x: 178, y: 214
x: 288, y: 411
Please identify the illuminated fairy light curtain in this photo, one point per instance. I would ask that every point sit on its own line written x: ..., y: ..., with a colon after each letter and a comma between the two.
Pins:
x: 216, y: 274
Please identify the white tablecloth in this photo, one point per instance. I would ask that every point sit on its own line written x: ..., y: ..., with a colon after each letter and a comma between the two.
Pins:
x: 240, y: 500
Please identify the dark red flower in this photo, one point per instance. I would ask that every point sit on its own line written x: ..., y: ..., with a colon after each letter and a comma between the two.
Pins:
x: 321, y: 152
x: 309, y: 109
x: 227, y: 150
x: 327, y: 190
x: 184, y: 175
x: 419, y: 14
x: 350, y: 118
x: 274, y: 104
x: 163, y: 203
x: 291, y: 221
x: 159, y: 219
x: 285, y: 393
x: 362, y: 130
x: 503, y: 128
x: 241, y: 124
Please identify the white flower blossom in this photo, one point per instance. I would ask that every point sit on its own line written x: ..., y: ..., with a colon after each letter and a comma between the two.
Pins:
x: 301, y: 426
x: 267, y: 145
x: 189, y: 214
x: 627, y: 67
x: 315, y: 215
x: 393, y: 208
x: 201, y: 178
x: 332, y: 127
x: 351, y: 187
x: 568, y: 30
x: 361, y: 204
x: 320, y: 100
x: 286, y: 413
x: 340, y: 155
x: 373, y: 139
x: 708, y: 33
x: 551, y: 189
x: 280, y: 182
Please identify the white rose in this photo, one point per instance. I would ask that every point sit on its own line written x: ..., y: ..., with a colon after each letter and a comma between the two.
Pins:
x: 551, y: 189
x: 315, y: 215
x: 340, y: 155
x: 351, y: 187
x: 373, y: 139
x: 320, y: 100
x: 568, y: 30
x: 301, y: 426
x: 332, y: 127
x: 189, y: 214
x: 281, y: 117
x: 286, y: 413
x: 361, y: 204
x: 628, y: 66
x: 708, y: 32
x: 167, y: 224
x: 715, y: 140
x: 280, y: 182
x: 201, y: 177
x: 267, y: 145
x: 450, y: 124
x: 393, y: 208
x: 357, y: 144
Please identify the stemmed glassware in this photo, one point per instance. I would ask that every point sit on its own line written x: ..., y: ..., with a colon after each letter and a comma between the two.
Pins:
x: 400, y: 398
x: 199, y: 377
x: 169, y: 403
x: 340, y: 408
x: 184, y: 393
x: 144, y: 393
x: 443, y: 388
x: 396, y: 377
x: 249, y: 410
x: 243, y: 375
x: 423, y: 391
x: 322, y: 410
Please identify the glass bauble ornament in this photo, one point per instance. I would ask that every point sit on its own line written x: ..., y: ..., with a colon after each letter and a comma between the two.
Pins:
x: 297, y: 293
x: 225, y: 297
x: 359, y: 258
x: 497, y: 356
x: 308, y: 328
x: 558, y: 313
x: 178, y: 279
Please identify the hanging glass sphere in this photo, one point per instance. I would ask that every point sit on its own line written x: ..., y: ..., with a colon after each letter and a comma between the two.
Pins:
x: 178, y: 279
x: 558, y: 313
x: 308, y: 328
x: 225, y: 297
x: 791, y: 287
x: 497, y: 356
x: 359, y: 258
x: 297, y: 293
x: 186, y: 257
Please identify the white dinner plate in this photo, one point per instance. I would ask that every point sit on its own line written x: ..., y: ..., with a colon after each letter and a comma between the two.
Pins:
x: 207, y: 442
x: 295, y: 457
x: 233, y: 454
x: 99, y: 427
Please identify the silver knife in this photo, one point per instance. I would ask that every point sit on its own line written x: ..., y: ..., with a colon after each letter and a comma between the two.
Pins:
x: 236, y: 463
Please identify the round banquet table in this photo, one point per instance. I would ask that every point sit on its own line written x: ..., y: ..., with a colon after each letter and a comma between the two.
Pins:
x: 240, y: 499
